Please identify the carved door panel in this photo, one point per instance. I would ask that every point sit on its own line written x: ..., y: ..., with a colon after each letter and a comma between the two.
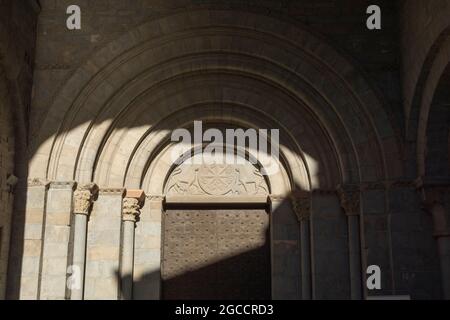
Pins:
x: 216, y: 254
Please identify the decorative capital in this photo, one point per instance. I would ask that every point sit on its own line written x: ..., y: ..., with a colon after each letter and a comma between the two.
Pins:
x: 84, y: 197
x: 433, y: 193
x: 301, y: 204
x: 349, y: 196
x: 132, y: 204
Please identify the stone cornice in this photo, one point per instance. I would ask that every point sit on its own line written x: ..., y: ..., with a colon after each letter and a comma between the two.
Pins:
x: 136, y: 194
x: 37, y: 182
x: 113, y: 192
x: 63, y: 185
x: 155, y: 198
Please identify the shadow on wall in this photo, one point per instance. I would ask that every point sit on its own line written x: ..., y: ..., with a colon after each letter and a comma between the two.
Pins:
x: 151, y: 81
x: 241, y: 277
x: 211, y: 254
x: 230, y: 262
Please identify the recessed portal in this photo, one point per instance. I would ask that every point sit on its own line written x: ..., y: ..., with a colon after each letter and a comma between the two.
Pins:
x: 216, y: 254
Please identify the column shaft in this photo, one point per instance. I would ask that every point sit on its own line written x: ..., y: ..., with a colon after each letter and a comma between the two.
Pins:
x: 354, y: 257
x: 350, y: 199
x: 305, y: 242
x: 301, y: 203
x: 79, y: 255
x: 83, y: 199
x: 132, y: 205
x: 444, y: 257
x: 127, y: 260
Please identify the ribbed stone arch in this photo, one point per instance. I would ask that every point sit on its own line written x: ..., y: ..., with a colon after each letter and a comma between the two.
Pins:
x: 306, y: 68
x: 245, y: 114
x: 435, y: 65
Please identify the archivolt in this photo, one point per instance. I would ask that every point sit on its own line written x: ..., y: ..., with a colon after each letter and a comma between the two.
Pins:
x: 252, y: 68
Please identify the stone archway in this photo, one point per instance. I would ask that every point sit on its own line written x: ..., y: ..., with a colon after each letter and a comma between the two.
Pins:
x: 214, y: 199
x: 216, y: 233
x: 110, y: 124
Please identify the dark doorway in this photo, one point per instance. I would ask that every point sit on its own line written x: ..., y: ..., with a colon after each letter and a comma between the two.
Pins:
x: 216, y: 254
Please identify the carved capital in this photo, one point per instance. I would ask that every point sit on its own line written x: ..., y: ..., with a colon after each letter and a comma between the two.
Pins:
x: 131, y: 209
x: 132, y: 204
x: 84, y: 197
x: 349, y: 196
x: 432, y: 193
x: 301, y: 204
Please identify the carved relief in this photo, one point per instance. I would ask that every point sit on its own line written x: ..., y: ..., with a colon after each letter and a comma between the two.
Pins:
x: 84, y: 197
x: 301, y: 204
x: 131, y: 209
x: 216, y: 180
x: 349, y: 196
x: 36, y: 182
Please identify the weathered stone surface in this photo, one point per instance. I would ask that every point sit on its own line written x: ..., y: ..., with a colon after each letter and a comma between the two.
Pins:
x: 106, y: 98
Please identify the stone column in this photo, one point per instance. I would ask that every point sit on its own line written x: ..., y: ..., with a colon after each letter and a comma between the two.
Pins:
x: 349, y: 196
x: 147, y: 251
x: 83, y: 200
x: 132, y: 205
x: 102, y: 278
x: 434, y: 203
x: 55, y: 255
x: 34, y: 207
x: 301, y: 203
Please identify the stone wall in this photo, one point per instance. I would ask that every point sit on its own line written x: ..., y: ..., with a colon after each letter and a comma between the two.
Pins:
x: 397, y: 235
x: 17, y: 38
x: 60, y: 51
x: 422, y: 22
x: 6, y: 169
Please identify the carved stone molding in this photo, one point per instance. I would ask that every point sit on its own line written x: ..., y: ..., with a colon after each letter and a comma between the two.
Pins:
x: 277, y: 198
x: 155, y: 198
x: 301, y: 204
x: 349, y: 196
x: 113, y: 191
x: 387, y: 184
x: 37, y: 182
x: 84, y: 197
x: 63, y: 185
x: 216, y: 180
